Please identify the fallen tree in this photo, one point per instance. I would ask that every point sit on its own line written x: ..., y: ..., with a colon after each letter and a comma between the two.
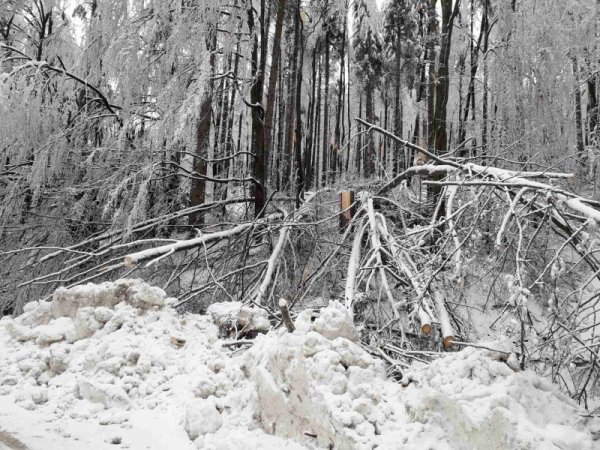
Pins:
x: 409, y: 274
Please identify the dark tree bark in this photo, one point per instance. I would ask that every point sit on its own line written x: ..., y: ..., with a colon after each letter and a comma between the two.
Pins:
x: 359, y: 139
x: 370, y: 117
x: 398, y: 150
x: 461, y: 73
x: 44, y: 24
x: 438, y: 133
x: 263, y: 151
x: 259, y: 167
x: 316, y: 140
x: 593, y: 110
x: 325, y: 148
x: 290, y: 114
x: 311, y: 125
x: 484, y: 99
x: 384, y: 150
x: 340, y: 108
x: 440, y: 139
x: 348, y: 109
x: 578, y: 115
x: 299, y: 171
x: 279, y: 156
x: 474, y: 59
x: 203, y: 130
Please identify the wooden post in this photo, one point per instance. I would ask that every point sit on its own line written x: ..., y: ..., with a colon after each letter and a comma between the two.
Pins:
x: 348, y: 209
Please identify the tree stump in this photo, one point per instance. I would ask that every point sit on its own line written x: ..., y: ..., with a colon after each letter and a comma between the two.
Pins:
x: 348, y: 209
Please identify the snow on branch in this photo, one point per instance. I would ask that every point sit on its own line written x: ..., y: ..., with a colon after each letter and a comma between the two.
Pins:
x: 156, y: 253
x: 45, y: 65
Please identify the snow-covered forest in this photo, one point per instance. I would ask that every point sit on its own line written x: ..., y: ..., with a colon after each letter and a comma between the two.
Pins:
x: 299, y: 224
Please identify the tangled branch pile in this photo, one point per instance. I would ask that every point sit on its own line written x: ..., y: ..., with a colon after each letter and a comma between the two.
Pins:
x: 498, y: 251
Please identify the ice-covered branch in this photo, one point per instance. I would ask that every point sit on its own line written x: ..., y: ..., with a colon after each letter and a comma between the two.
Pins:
x: 158, y: 252
x: 45, y: 65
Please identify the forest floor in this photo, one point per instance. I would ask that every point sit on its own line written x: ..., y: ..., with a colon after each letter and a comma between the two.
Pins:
x: 115, y: 366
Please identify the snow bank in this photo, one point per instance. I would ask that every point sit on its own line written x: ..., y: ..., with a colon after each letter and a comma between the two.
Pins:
x: 478, y: 401
x: 323, y: 390
x: 113, y: 365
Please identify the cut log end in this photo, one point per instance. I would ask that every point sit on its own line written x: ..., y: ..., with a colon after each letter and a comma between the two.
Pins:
x: 425, y: 321
x: 445, y: 326
x: 128, y: 261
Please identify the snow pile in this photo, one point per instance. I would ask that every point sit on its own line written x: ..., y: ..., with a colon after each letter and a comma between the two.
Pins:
x: 478, y: 401
x: 77, y: 313
x: 113, y: 365
x: 324, y: 391
x: 327, y: 391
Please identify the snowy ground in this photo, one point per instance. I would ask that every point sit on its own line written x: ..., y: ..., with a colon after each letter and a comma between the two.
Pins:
x: 114, y: 366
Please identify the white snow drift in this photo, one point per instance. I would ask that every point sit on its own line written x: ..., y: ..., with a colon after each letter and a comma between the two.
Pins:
x: 111, y: 365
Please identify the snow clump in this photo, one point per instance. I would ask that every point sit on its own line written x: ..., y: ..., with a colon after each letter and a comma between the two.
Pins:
x: 233, y: 318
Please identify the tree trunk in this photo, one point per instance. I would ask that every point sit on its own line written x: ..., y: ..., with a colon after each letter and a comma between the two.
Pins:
x: 443, y: 77
x: 348, y: 109
x: 359, y: 139
x: 484, y: 99
x: 593, y: 110
x: 325, y: 148
x: 474, y: 58
x: 431, y: 55
x: 311, y: 124
x: 290, y: 122
x: 316, y: 165
x: 280, y: 155
x: 218, y: 167
x: 461, y: 73
x: 384, y: 152
x: 198, y: 185
x: 370, y: 117
x: 229, y: 148
x: 578, y: 118
x: 262, y: 154
x: 258, y: 133
x: 340, y: 108
x: 441, y: 89
x: 299, y: 50
x: 398, y: 149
